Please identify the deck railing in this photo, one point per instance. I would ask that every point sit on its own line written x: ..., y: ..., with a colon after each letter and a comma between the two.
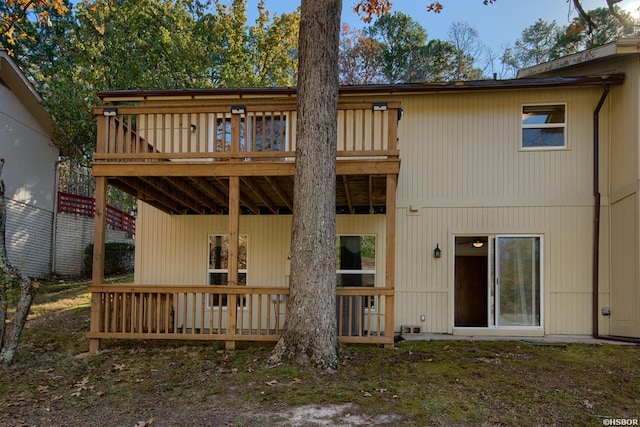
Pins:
x: 229, y: 313
x: 251, y: 132
x: 75, y: 204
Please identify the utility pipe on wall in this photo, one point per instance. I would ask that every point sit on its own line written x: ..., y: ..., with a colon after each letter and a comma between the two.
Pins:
x: 596, y: 220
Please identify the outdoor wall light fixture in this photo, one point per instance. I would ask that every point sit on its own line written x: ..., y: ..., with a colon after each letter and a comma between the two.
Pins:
x: 380, y: 106
x: 193, y: 128
x: 477, y: 243
x: 110, y: 112
x: 238, y: 109
x: 437, y: 252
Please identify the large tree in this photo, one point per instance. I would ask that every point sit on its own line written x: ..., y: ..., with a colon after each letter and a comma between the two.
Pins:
x: 309, y: 335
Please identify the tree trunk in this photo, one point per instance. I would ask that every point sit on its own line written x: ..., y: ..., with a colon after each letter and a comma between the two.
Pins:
x: 11, y: 276
x: 309, y: 334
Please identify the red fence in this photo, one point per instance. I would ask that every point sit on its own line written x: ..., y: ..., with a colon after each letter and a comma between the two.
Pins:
x: 86, y: 206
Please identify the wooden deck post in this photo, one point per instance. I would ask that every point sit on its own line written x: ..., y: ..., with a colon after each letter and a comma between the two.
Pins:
x: 97, y: 276
x: 232, y: 275
x: 390, y: 257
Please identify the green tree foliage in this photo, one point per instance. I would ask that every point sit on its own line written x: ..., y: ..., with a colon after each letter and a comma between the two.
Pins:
x: 148, y: 44
x: 577, y: 36
x: 396, y: 49
x: 358, y: 58
x: 402, y: 42
x: 533, y: 46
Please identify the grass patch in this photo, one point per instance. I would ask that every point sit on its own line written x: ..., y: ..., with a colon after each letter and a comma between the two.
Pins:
x: 453, y: 383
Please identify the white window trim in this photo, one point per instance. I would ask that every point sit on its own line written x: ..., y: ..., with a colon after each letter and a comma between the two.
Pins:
x: 564, y: 126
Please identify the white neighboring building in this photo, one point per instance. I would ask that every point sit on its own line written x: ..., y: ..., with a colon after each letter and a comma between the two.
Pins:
x: 29, y: 171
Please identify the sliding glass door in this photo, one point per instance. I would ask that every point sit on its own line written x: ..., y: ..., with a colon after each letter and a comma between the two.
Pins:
x: 498, y: 281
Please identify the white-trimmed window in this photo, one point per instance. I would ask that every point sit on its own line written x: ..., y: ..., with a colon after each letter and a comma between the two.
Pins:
x: 356, y: 261
x: 544, y: 127
x: 218, y: 265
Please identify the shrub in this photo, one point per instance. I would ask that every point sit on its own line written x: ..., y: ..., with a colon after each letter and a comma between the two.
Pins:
x: 118, y: 258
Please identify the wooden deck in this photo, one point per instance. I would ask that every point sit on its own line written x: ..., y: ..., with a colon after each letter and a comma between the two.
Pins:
x: 180, y: 158
x: 187, y: 156
x: 198, y: 313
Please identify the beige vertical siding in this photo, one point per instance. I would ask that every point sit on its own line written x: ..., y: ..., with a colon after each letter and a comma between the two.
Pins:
x: 625, y: 184
x: 625, y: 295
x: 425, y: 284
x: 462, y: 168
x: 172, y: 250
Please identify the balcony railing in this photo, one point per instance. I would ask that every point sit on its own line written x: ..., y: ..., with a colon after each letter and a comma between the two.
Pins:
x: 74, y: 204
x: 229, y: 313
x: 251, y: 132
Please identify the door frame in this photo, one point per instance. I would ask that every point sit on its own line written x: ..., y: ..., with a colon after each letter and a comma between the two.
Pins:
x: 492, y: 310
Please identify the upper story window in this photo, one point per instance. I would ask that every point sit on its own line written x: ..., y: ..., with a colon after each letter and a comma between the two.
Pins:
x: 544, y: 127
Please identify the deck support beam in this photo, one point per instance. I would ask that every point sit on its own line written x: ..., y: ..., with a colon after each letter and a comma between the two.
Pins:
x: 232, y: 275
x: 390, y: 256
x: 97, y: 276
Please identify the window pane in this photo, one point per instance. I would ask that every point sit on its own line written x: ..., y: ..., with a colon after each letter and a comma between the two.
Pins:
x: 222, y: 135
x: 356, y: 279
x: 368, y: 252
x: 218, y: 279
x: 539, y: 114
x: 356, y: 253
x: 269, y: 133
x: 356, y: 260
x: 542, y: 137
x: 219, y: 252
x: 519, y: 260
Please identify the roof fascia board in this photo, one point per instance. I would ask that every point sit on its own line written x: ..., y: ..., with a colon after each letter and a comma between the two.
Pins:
x: 365, y: 90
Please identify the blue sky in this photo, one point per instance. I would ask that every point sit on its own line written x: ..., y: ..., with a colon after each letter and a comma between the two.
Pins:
x: 498, y: 25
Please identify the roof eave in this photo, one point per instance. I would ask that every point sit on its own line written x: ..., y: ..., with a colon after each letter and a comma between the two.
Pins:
x: 625, y: 46
x: 361, y: 90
